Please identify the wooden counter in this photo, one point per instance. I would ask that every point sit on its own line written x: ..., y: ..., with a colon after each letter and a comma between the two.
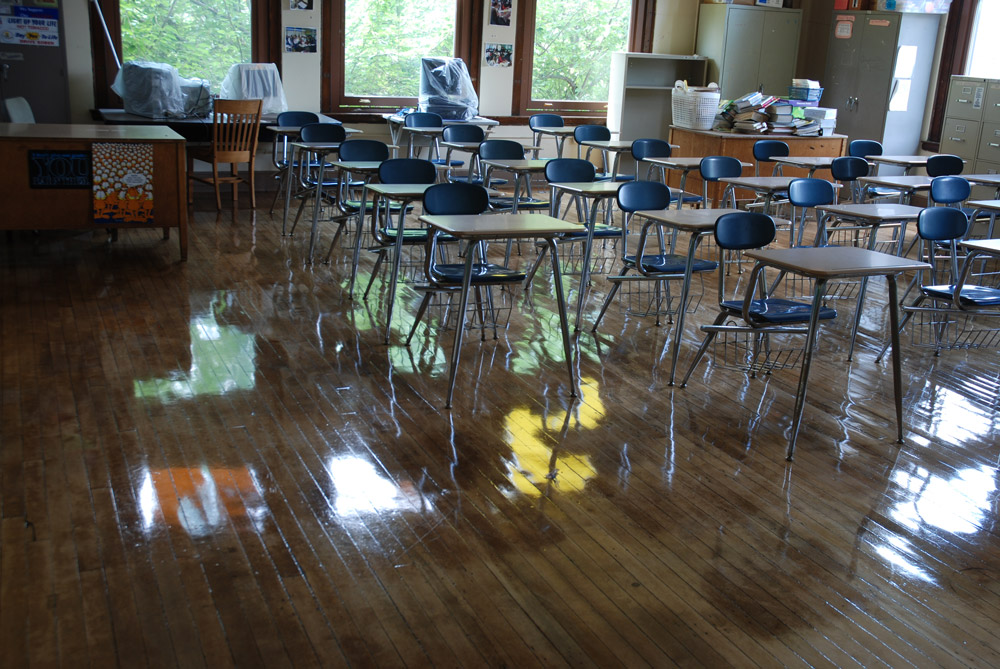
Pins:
x: 702, y: 143
x: 47, y: 173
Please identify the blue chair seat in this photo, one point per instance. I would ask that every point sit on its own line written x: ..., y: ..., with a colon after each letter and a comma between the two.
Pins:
x: 481, y: 273
x: 601, y: 231
x: 972, y: 296
x: 411, y: 235
x: 450, y: 163
x: 686, y: 198
x: 777, y: 310
x: 607, y: 176
x: 671, y: 264
x: 521, y: 204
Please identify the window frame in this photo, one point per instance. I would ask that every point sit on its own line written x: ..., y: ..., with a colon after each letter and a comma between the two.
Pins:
x: 640, y: 40
x: 468, y: 45
x: 265, y: 38
x: 954, y: 57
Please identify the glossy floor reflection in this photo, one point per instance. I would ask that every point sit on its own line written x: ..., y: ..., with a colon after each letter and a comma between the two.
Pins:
x: 219, y: 463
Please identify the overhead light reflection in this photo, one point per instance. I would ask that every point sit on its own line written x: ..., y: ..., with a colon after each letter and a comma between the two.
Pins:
x: 958, y: 504
x: 360, y: 489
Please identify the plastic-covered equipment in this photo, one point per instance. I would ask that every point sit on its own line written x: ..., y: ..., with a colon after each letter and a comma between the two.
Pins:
x: 446, y: 89
x: 156, y: 90
x: 253, y: 81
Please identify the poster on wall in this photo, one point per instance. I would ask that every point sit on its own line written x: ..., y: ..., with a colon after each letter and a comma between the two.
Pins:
x: 56, y: 168
x: 300, y: 4
x: 29, y: 26
x: 500, y: 11
x: 499, y: 55
x: 300, y: 40
x: 123, y: 182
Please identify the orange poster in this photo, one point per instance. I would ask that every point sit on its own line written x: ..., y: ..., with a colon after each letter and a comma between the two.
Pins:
x: 123, y: 182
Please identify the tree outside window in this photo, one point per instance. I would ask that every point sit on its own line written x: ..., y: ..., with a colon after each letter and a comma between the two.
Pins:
x: 200, y: 39
x: 573, y: 45
x: 384, y: 41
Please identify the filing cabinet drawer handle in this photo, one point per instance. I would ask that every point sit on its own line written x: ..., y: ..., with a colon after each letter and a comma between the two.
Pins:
x: 956, y: 139
x: 994, y: 144
x: 964, y: 102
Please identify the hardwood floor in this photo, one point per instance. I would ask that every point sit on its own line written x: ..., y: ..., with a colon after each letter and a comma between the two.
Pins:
x: 218, y: 463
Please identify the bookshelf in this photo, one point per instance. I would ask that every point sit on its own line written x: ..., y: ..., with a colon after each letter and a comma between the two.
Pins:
x: 639, y: 100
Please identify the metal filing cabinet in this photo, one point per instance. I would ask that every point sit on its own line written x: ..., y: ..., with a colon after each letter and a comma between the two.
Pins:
x: 972, y: 123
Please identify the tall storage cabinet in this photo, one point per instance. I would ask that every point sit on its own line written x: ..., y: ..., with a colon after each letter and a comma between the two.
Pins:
x: 878, y: 69
x: 972, y: 123
x: 749, y: 48
x: 639, y: 102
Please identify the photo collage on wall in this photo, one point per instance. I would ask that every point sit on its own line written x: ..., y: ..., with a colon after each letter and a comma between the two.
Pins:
x: 499, y: 53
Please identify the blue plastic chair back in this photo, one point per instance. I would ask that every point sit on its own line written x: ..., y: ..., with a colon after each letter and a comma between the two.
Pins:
x: 363, y: 150
x: 713, y: 168
x: 944, y: 164
x: 569, y: 170
x: 950, y: 189
x: 423, y: 120
x: 650, y: 148
x: 463, y: 133
x: 456, y: 198
x: 293, y: 118
x: 545, y: 121
x: 811, y: 192
x: 860, y: 148
x: 638, y: 195
x: 744, y: 230
x: 942, y: 224
x: 591, y: 133
x: 768, y: 149
x: 849, y: 168
x: 501, y: 149
x: 322, y: 132
x: 407, y: 171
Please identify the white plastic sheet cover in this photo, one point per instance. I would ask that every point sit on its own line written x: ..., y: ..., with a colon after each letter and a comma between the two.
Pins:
x: 253, y: 81
x: 446, y: 89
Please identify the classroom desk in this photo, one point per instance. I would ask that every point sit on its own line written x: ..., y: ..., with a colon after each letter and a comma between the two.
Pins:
x: 907, y: 185
x: 740, y: 146
x: 520, y: 169
x: 992, y: 207
x: 403, y: 194
x: 873, y: 216
x: 695, y: 222
x: 809, y: 163
x: 474, y: 228
x: 766, y: 186
x: 908, y: 163
x: 322, y: 150
x: 831, y: 263
x: 598, y: 191
x: 990, y: 180
x: 472, y: 148
x: 560, y: 134
x: 684, y: 165
x: 617, y: 147
x: 397, y: 121
x: 71, y: 205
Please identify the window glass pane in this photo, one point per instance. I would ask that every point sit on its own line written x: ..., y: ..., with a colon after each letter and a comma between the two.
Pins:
x: 573, y: 45
x: 984, y: 58
x: 200, y: 39
x: 384, y: 41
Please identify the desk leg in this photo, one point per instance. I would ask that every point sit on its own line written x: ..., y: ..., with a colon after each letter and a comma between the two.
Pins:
x: 560, y: 141
x: 317, y: 199
x: 675, y: 346
x: 563, y: 320
x: 680, y: 196
x: 288, y: 189
x: 897, y: 387
x: 397, y: 258
x: 800, y: 393
x: 463, y: 303
x: 585, y: 270
x: 357, y: 239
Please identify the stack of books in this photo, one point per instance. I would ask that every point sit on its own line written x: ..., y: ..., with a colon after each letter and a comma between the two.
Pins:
x: 780, y: 118
x: 825, y: 116
x: 748, y: 113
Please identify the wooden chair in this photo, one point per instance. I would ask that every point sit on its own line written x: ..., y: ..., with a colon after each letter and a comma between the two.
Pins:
x: 234, y: 141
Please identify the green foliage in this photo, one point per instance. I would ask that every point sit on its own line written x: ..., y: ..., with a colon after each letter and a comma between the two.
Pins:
x: 201, y: 38
x: 385, y: 40
x: 574, y: 41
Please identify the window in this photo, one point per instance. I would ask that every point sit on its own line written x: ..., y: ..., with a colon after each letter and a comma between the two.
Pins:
x: 372, y: 60
x: 200, y: 40
x: 565, y: 51
x: 384, y: 41
x: 984, y: 49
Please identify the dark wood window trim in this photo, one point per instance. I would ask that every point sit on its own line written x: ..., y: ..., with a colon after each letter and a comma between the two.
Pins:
x: 954, y: 54
x: 640, y: 40
x: 468, y: 47
x: 265, y: 47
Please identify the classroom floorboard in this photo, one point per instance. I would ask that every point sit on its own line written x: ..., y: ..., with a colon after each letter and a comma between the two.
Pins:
x: 219, y: 463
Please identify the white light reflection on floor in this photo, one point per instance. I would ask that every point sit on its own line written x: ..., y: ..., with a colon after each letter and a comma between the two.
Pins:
x: 955, y: 418
x: 360, y: 489
x: 958, y: 504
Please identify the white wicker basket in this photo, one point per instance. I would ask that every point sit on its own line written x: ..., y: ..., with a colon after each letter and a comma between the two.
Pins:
x: 695, y: 107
